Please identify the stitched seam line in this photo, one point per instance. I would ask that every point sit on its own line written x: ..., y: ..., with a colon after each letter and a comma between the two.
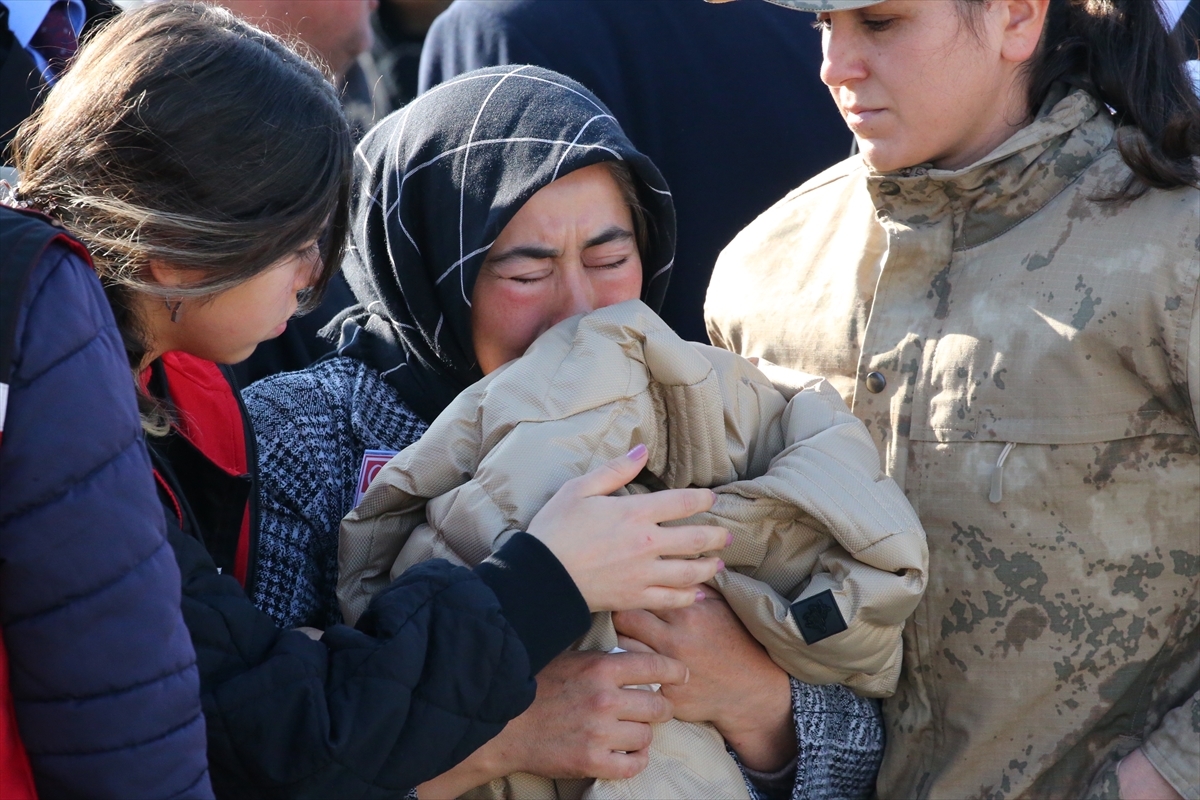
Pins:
x: 50, y: 499
x: 127, y: 689
x: 78, y: 598
x: 37, y: 296
x: 128, y: 746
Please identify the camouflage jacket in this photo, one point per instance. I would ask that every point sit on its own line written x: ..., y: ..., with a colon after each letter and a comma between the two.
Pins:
x: 1027, y: 359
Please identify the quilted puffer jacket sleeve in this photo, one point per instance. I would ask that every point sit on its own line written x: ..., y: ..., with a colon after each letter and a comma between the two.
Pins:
x: 442, y: 659
x: 828, y: 557
x: 824, y: 527
x: 103, y: 672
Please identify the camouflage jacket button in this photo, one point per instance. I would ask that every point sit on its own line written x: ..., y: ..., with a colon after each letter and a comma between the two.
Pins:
x: 876, y: 383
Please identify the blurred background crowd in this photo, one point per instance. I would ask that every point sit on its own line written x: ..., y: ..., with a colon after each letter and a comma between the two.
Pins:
x: 684, y: 78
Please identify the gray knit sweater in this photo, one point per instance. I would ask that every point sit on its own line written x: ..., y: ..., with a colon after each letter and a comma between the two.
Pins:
x: 313, y: 428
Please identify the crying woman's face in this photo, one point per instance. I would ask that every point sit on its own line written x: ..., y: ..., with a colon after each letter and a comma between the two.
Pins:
x: 569, y: 250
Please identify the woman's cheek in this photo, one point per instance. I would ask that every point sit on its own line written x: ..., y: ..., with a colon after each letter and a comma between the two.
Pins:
x: 522, y: 310
x: 626, y: 284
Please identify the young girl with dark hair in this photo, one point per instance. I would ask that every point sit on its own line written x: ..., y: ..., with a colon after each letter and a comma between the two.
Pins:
x: 205, y: 166
x: 1004, y: 287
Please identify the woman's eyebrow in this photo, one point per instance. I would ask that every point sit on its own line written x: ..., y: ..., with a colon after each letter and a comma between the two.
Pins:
x: 614, y: 234
x: 533, y: 251
x: 538, y: 252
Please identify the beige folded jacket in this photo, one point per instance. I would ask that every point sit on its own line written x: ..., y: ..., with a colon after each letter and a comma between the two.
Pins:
x: 797, y: 478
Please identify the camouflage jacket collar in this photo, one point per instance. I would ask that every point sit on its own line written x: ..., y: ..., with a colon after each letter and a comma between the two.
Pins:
x: 1008, y: 185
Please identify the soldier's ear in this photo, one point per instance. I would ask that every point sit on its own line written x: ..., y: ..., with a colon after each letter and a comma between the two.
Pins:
x: 1023, y: 22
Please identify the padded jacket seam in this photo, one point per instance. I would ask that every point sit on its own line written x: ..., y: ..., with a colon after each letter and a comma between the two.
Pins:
x: 128, y: 688
x: 91, y: 593
x: 97, y: 332
x: 127, y: 746
x: 66, y: 486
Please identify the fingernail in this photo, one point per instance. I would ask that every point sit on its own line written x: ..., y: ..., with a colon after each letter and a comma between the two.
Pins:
x: 720, y: 565
x: 714, y: 494
x: 636, y: 453
x: 687, y: 674
x: 700, y: 592
x: 728, y: 539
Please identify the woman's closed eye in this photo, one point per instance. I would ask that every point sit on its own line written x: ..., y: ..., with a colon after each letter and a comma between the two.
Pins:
x: 534, y: 278
x: 542, y: 274
x: 522, y: 270
x: 605, y: 260
x: 878, y: 24
x: 310, y: 251
x: 611, y: 254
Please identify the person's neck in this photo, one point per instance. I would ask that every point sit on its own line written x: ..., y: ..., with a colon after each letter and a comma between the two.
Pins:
x: 1006, y: 119
x: 154, y: 319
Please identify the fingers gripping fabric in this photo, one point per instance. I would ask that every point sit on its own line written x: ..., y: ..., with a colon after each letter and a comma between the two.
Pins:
x: 798, y: 482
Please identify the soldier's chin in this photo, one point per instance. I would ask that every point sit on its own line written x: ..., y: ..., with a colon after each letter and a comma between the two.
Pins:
x: 882, y: 155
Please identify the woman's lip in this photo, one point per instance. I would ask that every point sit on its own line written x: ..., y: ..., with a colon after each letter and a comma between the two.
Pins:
x: 861, y: 116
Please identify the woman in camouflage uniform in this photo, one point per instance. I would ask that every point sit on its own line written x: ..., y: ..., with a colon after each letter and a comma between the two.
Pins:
x: 1004, y: 288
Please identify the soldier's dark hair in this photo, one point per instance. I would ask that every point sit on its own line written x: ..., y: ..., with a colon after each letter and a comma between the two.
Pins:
x: 1121, y: 52
x: 188, y: 137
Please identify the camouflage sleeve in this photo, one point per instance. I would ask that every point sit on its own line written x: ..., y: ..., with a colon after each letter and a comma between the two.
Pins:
x: 1174, y: 749
x: 1193, y: 361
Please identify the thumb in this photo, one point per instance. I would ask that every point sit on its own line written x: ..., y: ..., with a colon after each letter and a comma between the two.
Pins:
x: 613, y: 474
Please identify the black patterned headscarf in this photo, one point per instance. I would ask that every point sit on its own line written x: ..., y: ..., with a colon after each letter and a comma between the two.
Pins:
x: 436, y: 182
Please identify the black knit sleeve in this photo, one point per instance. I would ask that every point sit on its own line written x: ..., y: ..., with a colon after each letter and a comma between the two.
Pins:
x: 432, y: 672
x: 549, y: 613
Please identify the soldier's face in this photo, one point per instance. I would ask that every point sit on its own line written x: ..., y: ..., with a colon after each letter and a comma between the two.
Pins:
x: 919, y: 82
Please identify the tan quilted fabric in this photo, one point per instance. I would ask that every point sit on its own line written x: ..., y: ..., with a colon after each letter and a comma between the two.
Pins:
x: 797, y: 476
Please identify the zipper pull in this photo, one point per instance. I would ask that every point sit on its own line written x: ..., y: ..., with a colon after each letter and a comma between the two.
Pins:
x: 997, y: 492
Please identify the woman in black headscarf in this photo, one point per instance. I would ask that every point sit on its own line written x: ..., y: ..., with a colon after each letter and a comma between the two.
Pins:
x: 485, y: 212
x: 436, y: 183
x: 439, y: 181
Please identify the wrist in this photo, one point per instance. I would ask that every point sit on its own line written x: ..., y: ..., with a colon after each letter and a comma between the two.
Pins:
x: 1138, y: 777
x: 479, y: 768
x: 762, y: 731
x: 538, y: 597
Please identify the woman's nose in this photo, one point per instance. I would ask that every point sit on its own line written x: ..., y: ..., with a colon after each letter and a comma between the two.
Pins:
x: 842, y: 62
x: 579, y: 297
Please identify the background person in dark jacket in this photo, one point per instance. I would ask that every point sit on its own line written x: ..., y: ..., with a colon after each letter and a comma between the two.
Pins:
x: 208, y: 222
x: 36, y: 39
x: 726, y: 100
x: 102, y: 671
x: 400, y: 29
x: 339, y: 33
